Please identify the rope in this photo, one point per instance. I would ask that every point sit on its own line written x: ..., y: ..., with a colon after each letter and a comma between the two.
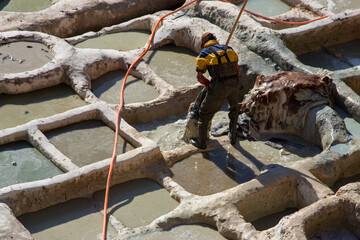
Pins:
x: 236, y: 21
x: 113, y: 158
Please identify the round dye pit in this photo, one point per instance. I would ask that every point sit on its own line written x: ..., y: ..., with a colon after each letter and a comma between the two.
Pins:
x: 123, y: 41
x: 176, y: 65
x: 108, y: 87
x: 16, y: 57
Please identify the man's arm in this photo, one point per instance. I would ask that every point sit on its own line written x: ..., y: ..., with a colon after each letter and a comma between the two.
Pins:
x: 202, y: 79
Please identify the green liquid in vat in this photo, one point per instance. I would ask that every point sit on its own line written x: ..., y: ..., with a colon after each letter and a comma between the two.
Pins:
x: 86, y: 142
x: 108, y: 87
x: 77, y: 219
x: 137, y: 203
x: 176, y: 65
x: 267, y: 8
x: 123, y: 41
x: 20, y: 162
x: 22, y: 108
x: 16, y: 57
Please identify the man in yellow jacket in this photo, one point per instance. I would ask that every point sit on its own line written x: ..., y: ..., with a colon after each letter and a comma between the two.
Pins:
x: 221, y: 62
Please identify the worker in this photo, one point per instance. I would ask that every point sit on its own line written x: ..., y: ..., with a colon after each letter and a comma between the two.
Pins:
x: 221, y: 63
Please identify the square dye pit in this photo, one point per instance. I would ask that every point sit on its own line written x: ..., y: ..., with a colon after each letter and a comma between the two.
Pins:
x: 86, y: 142
x: 139, y: 202
x: 20, y: 163
x: 77, y: 219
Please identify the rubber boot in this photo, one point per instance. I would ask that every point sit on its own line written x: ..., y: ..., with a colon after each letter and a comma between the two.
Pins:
x: 200, y: 142
x: 232, y: 132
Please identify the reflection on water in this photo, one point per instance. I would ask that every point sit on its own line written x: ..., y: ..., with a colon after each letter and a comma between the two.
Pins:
x: 184, y: 232
x: 324, y: 60
x: 24, y: 5
x: 76, y: 220
x: 86, y: 142
x: 348, y: 52
x: 176, y: 65
x: 22, y: 108
x: 123, y: 41
x: 108, y: 87
x: 20, y: 162
x: 137, y: 203
x: 267, y: 8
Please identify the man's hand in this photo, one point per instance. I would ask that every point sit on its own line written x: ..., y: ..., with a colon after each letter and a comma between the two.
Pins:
x: 202, y: 79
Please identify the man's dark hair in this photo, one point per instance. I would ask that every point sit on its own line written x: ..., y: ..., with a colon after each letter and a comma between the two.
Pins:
x: 206, y: 37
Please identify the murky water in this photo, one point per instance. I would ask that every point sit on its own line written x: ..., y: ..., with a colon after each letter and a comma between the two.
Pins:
x: 76, y: 220
x: 123, y: 41
x: 137, y: 203
x: 352, y: 125
x: 176, y: 65
x: 184, y: 232
x: 337, y: 6
x: 343, y: 181
x: 333, y: 234
x: 23, y: 56
x: 267, y: 8
x: 86, y: 142
x: 272, y: 220
x: 321, y: 59
x: 349, y: 51
x: 108, y: 87
x: 24, y: 5
x: 22, y: 108
x: 20, y: 162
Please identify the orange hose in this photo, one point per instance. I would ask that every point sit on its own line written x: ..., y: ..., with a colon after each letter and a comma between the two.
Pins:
x: 118, y: 114
x: 113, y: 158
x: 280, y: 21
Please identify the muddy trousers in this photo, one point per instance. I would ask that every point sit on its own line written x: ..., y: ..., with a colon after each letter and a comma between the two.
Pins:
x: 216, y: 94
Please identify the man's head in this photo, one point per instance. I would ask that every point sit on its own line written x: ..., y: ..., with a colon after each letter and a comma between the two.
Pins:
x: 206, y: 37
